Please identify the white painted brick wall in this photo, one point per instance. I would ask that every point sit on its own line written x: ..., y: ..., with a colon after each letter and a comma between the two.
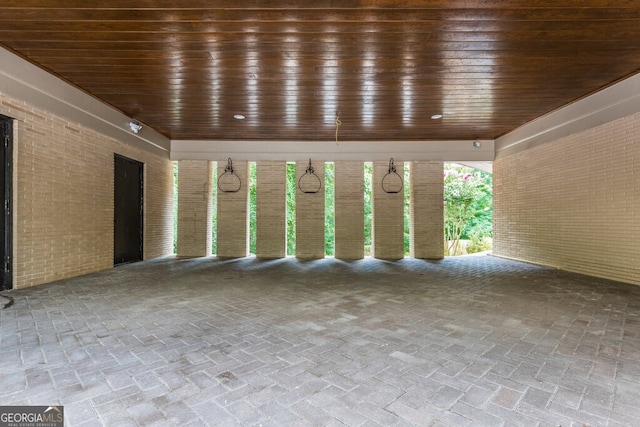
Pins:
x: 271, y: 205
x: 310, y: 216
x: 63, y: 197
x: 427, y: 215
x: 233, y: 214
x: 388, y: 215
x: 349, y: 206
x: 574, y: 203
x: 195, y: 205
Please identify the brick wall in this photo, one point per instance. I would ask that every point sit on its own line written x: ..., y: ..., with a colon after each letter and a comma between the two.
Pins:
x: 427, y: 216
x: 310, y: 216
x: 271, y: 205
x: 349, y: 206
x: 194, y: 207
x: 232, y: 215
x: 388, y: 215
x: 63, y: 197
x: 574, y: 203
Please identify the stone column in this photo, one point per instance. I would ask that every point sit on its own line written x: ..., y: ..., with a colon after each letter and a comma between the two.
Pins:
x: 388, y: 215
x: 427, y: 212
x: 310, y: 215
x: 349, y: 204
x: 271, y: 209
x: 233, y: 218
x: 194, y: 208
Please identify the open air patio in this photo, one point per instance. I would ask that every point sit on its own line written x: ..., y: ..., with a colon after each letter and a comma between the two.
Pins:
x: 467, y: 341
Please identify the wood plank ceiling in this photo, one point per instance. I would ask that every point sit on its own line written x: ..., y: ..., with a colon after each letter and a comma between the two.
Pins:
x: 185, y: 68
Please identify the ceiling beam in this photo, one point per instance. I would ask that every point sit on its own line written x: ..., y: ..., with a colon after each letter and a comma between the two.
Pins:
x: 452, y: 151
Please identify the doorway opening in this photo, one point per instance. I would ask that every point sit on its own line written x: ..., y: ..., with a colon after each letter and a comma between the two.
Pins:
x: 468, y: 210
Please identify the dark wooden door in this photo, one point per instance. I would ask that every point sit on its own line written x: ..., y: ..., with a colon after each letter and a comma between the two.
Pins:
x: 6, y: 141
x: 128, y: 210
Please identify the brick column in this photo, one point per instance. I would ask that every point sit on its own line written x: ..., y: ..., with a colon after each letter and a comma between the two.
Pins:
x: 233, y: 218
x: 349, y: 203
x: 310, y: 215
x: 388, y: 215
x: 427, y: 216
x: 194, y: 208
x: 271, y: 209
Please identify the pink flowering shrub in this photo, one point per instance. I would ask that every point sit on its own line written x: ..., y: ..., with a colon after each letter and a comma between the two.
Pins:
x: 462, y: 190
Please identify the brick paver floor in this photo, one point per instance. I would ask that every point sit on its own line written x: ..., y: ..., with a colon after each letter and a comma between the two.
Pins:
x: 472, y: 341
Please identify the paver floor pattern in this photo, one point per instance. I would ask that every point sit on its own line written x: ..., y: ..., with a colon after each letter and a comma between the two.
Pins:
x: 471, y: 341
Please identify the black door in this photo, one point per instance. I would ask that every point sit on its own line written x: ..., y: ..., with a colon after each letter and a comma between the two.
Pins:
x: 6, y: 141
x: 127, y: 209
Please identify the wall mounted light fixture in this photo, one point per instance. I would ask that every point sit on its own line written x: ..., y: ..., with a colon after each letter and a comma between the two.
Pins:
x: 309, y: 182
x: 229, y: 181
x: 135, y: 127
x: 392, y: 182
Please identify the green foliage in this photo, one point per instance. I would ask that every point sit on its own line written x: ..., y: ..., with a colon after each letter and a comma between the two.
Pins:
x: 467, y: 206
x: 329, y: 209
x: 479, y: 242
x: 407, y: 209
x: 175, y: 207
x: 368, y: 207
x: 214, y: 224
x: 292, y: 184
x: 481, y: 224
x: 253, y: 180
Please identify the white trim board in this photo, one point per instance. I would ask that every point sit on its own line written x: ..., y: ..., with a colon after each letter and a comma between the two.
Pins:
x: 331, y: 151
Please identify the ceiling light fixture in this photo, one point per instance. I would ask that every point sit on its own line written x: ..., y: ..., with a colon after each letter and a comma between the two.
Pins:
x: 476, y: 144
x: 135, y: 127
x: 436, y: 116
x: 239, y: 116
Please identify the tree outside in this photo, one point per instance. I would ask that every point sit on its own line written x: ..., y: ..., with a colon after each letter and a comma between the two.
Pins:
x: 468, y: 209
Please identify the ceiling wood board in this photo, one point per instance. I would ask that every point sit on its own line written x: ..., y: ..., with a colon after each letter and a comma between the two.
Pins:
x: 383, y: 67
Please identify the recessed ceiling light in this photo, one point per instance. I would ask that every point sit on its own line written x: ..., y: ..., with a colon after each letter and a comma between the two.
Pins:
x: 436, y: 116
x: 238, y: 116
x: 476, y: 144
